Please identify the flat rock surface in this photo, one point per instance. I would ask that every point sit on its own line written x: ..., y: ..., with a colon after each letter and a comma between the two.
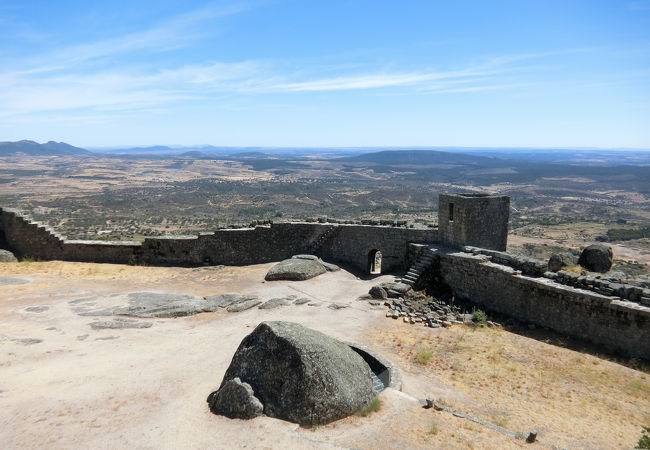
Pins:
x: 143, y: 304
x: 225, y: 300
x: 8, y: 281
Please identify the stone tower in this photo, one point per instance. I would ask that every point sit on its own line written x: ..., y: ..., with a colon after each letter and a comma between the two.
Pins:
x: 479, y: 220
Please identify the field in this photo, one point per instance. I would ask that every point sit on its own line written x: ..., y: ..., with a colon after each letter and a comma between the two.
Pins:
x: 112, y: 196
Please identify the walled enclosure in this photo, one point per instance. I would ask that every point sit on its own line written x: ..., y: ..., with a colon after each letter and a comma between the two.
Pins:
x: 483, y: 277
x: 348, y: 244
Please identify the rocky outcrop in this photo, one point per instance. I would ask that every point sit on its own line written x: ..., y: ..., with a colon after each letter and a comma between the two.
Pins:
x: 298, y: 374
x: 597, y: 258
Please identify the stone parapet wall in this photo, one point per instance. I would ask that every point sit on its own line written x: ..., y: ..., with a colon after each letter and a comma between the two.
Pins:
x: 618, y: 325
x: 600, y: 284
x: 349, y: 244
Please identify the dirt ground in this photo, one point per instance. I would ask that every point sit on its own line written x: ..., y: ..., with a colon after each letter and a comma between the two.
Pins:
x: 147, y: 388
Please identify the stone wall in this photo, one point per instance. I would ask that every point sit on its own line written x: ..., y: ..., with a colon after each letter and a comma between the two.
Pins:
x: 619, y: 325
x: 348, y: 244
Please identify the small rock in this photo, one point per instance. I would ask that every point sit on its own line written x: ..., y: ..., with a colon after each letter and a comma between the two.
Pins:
x: 378, y: 292
x: 338, y: 305
x: 37, y: 309
x: 301, y: 301
x: 273, y: 303
x: 243, y: 306
x: 27, y: 341
x: 236, y: 400
x: 7, y: 256
x: 83, y: 337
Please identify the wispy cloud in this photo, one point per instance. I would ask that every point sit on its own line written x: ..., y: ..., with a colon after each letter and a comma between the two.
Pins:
x: 83, y: 79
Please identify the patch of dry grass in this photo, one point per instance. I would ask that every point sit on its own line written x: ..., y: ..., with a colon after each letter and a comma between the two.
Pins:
x: 573, y: 399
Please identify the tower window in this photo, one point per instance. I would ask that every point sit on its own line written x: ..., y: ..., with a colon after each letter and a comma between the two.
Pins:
x: 451, y: 212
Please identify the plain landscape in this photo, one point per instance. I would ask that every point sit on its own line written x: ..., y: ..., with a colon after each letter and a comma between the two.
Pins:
x: 560, y: 198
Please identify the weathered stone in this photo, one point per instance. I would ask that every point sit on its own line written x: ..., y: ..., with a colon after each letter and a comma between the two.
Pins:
x: 243, y: 306
x: 119, y: 323
x: 225, y: 300
x: 401, y: 288
x: 301, y: 375
x: 37, y: 309
x: 235, y: 400
x: 339, y: 305
x: 597, y: 258
x: 301, y: 301
x: 378, y: 292
x: 274, y: 303
x: 329, y: 266
x: 155, y: 304
x: 7, y: 256
x: 295, y: 270
x: 309, y: 257
x: 27, y: 341
x: 559, y: 260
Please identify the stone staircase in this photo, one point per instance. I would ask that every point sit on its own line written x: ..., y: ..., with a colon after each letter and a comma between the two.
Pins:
x: 423, y: 262
x: 317, y: 243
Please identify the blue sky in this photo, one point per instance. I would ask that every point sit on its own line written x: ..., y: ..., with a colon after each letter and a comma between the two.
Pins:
x: 327, y: 73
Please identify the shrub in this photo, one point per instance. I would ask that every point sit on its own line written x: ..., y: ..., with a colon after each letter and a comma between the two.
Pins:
x: 423, y: 354
x: 479, y: 317
x: 373, y: 406
x: 644, y: 440
x: 434, y: 428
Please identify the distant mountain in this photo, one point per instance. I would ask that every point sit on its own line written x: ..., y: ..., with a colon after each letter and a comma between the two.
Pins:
x: 419, y: 158
x: 35, y: 149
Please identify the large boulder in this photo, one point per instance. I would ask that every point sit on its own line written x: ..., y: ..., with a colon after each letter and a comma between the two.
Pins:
x: 597, y: 258
x: 7, y: 256
x: 298, y: 374
x: 295, y: 269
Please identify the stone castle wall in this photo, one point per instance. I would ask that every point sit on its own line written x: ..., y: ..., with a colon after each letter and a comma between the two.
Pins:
x: 501, y: 282
x: 348, y: 244
x: 619, y: 325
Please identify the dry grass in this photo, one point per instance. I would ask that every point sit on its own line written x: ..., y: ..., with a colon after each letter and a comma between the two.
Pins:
x: 372, y: 407
x: 574, y: 269
x: 573, y: 399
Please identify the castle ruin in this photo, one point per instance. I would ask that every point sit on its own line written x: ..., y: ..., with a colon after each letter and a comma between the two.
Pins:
x: 467, y: 252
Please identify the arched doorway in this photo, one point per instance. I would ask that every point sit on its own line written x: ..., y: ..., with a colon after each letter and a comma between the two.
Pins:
x: 374, y: 262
